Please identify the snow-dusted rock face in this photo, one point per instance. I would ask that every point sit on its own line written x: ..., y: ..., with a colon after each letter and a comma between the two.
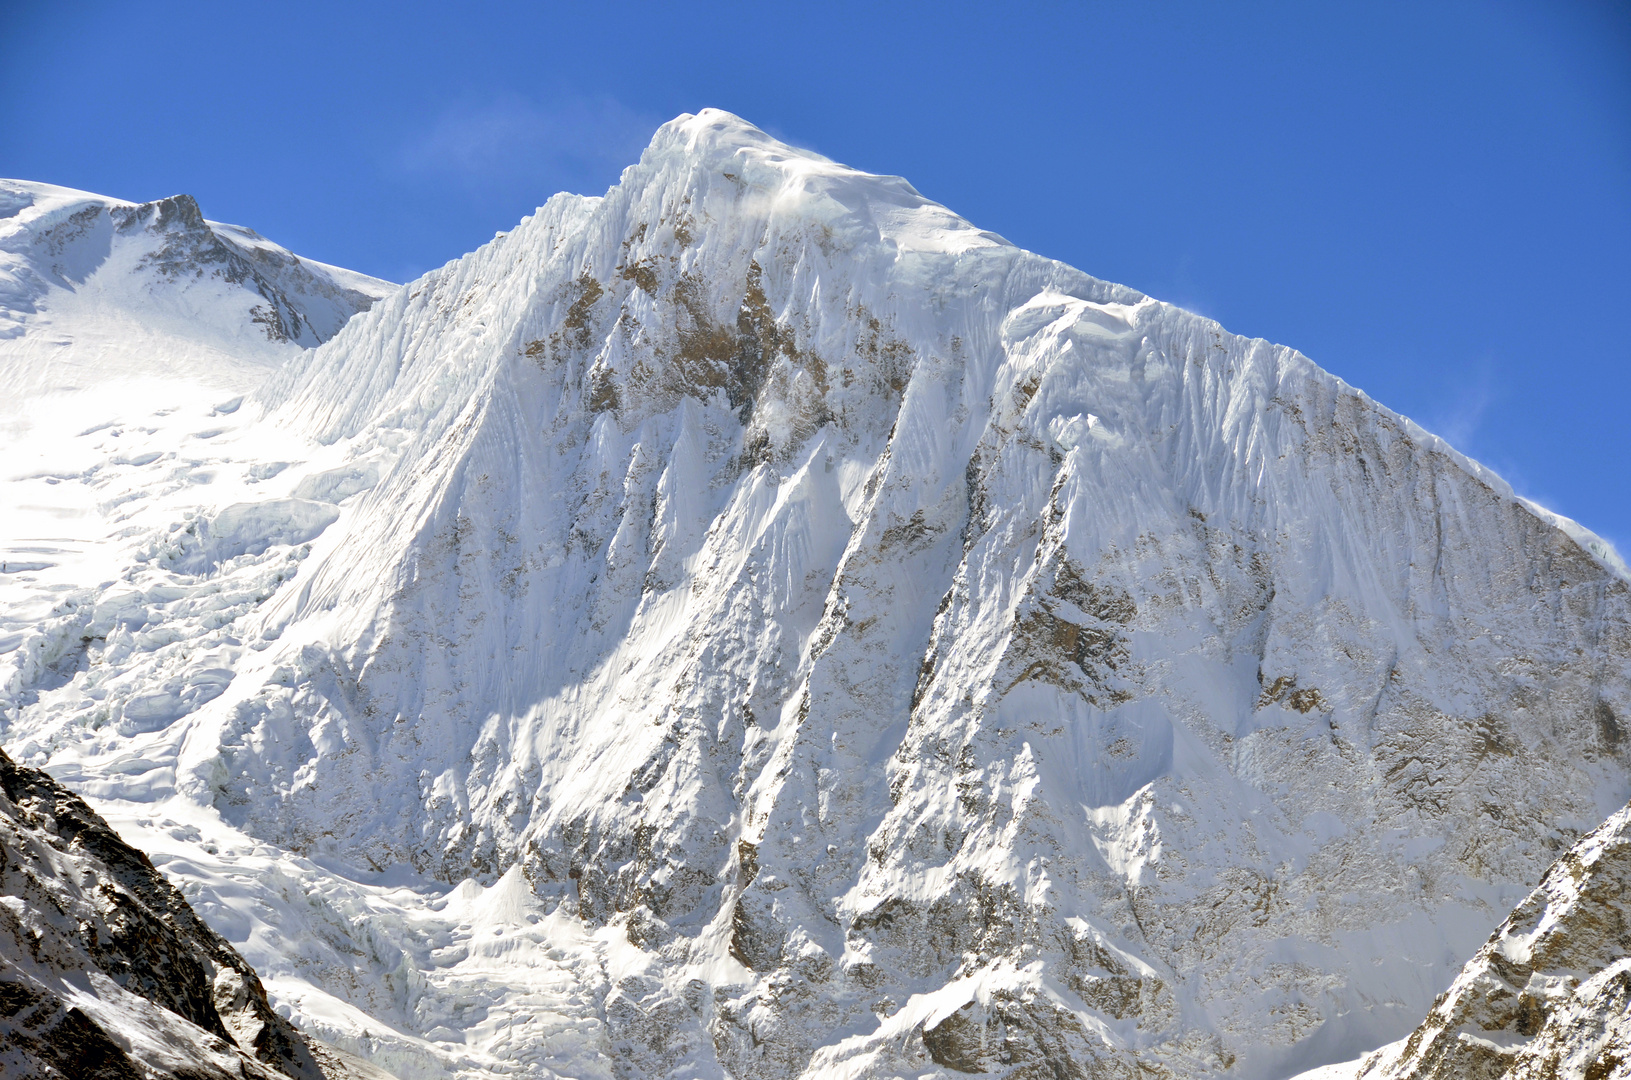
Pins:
x: 105, y: 971
x: 757, y: 624
x: 1549, y: 995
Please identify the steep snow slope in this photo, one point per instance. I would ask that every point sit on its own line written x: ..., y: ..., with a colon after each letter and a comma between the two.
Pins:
x: 1549, y: 995
x: 834, y: 642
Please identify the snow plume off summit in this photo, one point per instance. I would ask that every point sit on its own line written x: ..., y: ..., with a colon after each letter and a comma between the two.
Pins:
x: 756, y: 624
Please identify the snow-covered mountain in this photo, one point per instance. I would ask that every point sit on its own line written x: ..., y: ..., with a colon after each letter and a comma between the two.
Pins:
x: 118, y: 322
x: 757, y: 624
x: 81, y: 271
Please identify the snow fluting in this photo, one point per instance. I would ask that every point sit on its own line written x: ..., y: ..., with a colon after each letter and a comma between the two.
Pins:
x: 757, y: 624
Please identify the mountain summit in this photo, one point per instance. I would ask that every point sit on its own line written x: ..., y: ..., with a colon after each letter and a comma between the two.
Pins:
x: 755, y: 623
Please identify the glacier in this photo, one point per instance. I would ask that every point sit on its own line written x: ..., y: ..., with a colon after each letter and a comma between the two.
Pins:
x: 755, y: 623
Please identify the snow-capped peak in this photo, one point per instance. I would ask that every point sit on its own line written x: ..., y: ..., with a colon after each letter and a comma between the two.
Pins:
x: 755, y: 623
x: 145, y: 258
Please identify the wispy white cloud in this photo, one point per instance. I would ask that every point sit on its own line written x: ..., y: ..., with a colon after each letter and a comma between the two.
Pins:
x: 1460, y: 417
x: 573, y: 143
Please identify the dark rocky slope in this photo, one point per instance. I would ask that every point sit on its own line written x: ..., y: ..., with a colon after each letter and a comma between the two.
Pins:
x: 1548, y: 997
x: 105, y: 972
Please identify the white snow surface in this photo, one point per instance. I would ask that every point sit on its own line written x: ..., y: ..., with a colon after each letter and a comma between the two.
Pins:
x: 122, y: 327
x: 755, y: 623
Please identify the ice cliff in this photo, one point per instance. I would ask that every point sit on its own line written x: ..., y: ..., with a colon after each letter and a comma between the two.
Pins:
x: 757, y: 624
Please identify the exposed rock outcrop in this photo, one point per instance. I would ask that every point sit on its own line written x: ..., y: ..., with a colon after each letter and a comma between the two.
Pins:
x: 105, y: 971
x: 1548, y: 997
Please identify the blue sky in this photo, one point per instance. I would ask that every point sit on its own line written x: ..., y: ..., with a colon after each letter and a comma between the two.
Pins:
x: 1432, y: 200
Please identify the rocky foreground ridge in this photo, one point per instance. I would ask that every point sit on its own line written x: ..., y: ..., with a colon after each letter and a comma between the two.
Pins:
x: 756, y: 624
x: 106, y: 973
x: 1549, y: 995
